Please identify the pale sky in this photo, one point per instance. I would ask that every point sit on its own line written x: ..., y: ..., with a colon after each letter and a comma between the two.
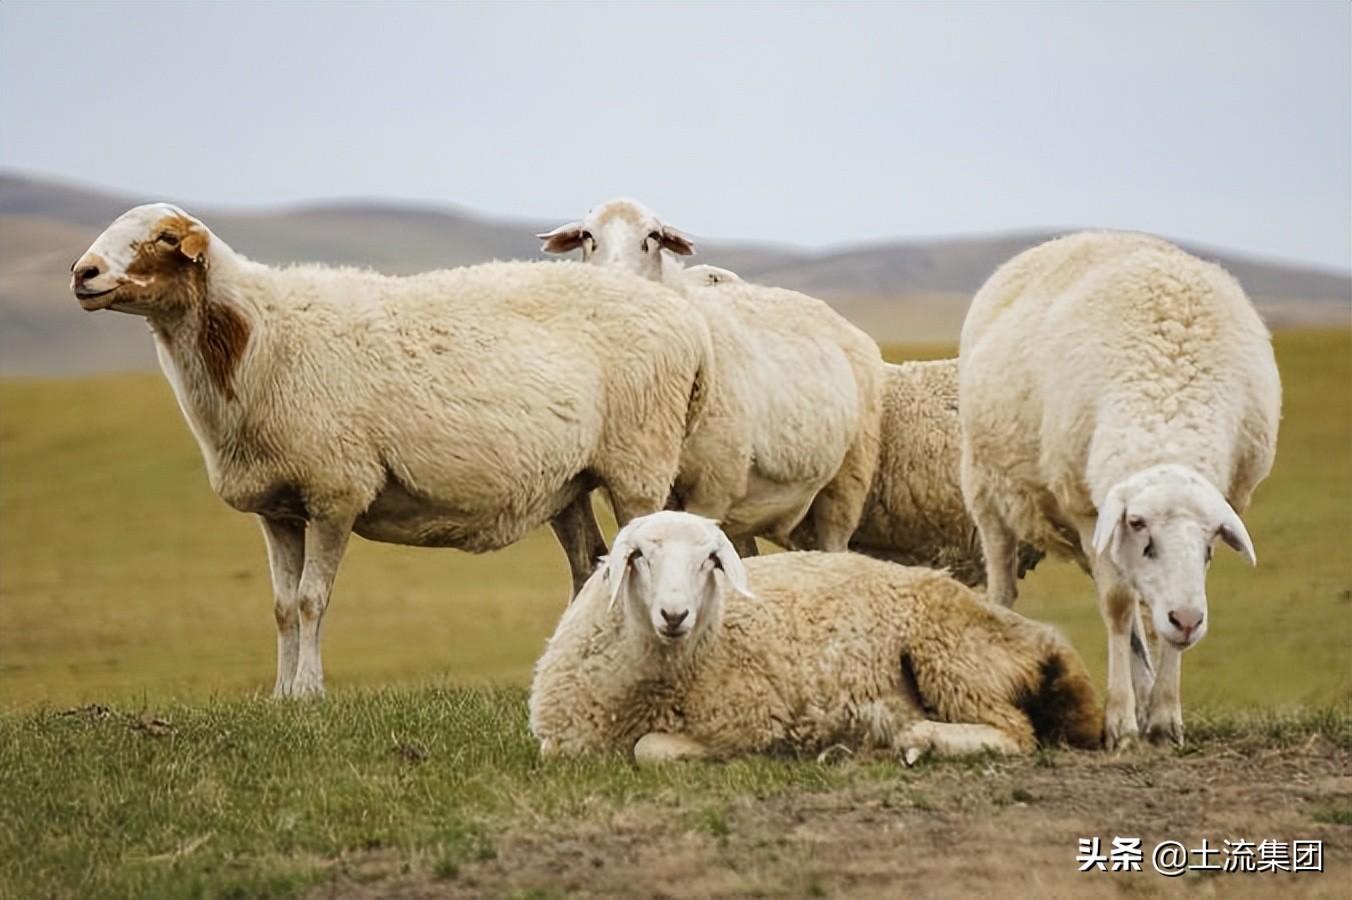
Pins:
x: 1228, y: 124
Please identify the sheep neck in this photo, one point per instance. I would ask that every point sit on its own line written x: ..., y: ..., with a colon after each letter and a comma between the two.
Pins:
x: 205, y: 342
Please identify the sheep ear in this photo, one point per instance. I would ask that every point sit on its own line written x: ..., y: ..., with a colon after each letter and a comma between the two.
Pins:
x: 617, y: 568
x: 676, y: 242
x: 1110, y: 517
x: 563, y: 239
x: 731, y: 564
x: 194, y: 244
x: 1233, y: 532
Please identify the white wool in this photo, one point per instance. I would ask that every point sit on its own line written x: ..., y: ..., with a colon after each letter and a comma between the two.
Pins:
x: 1110, y: 383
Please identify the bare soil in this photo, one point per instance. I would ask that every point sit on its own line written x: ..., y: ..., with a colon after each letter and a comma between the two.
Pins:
x: 984, y: 828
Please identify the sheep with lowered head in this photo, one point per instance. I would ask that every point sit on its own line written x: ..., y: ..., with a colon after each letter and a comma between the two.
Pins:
x: 458, y: 408
x: 1119, y: 402
x: 676, y: 647
x: 790, y: 430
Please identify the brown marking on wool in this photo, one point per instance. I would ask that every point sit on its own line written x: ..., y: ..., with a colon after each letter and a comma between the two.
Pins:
x: 171, y: 263
x: 222, y: 338
x: 1061, y: 706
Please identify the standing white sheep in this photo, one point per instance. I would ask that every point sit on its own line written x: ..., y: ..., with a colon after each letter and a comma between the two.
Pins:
x: 1119, y: 403
x: 679, y: 648
x: 790, y: 431
x: 457, y: 408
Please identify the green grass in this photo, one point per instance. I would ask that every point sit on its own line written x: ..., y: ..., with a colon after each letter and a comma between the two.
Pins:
x: 244, y: 797
x: 122, y: 577
x: 250, y: 798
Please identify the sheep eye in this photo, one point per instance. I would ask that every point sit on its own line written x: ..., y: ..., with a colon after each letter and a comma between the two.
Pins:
x: 718, y: 563
x: 1136, y: 523
x: 1150, y: 549
x: 587, y: 236
x: 167, y: 238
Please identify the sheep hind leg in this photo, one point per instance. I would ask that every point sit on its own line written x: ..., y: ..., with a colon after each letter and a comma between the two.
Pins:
x: 286, y: 559
x: 325, y: 542
x: 579, y: 535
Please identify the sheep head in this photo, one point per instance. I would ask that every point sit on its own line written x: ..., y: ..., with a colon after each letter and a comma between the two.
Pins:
x: 669, y: 572
x: 622, y: 234
x: 151, y: 261
x: 1157, y: 528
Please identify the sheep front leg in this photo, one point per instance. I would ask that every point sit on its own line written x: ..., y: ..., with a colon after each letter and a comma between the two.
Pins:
x: 1117, y: 605
x: 999, y: 547
x: 579, y: 535
x: 325, y: 541
x: 658, y: 747
x: 286, y: 559
x: 1142, y: 668
x: 1165, y: 719
x: 953, y: 739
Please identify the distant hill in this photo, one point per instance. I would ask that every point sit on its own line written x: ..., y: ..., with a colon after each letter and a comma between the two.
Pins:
x: 898, y: 290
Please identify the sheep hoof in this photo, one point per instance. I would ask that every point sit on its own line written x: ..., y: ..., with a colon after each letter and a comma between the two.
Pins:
x: 1164, y: 733
x: 912, y: 755
x: 1122, y: 742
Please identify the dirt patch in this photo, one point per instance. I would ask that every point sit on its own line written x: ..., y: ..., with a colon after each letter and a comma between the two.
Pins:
x: 994, y: 828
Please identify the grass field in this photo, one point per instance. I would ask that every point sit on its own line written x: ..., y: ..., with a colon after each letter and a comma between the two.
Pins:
x: 138, y: 759
x: 123, y: 577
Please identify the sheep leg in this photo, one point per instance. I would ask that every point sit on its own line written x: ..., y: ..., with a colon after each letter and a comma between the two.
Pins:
x: 948, y: 739
x: 325, y: 542
x: 1142, y: 669
x: 999, y: 546
x: 286, y: 559
x: 1165, y: 719
x: 579, y: 535
x: 1117, y: 606
x: 657, y: 747
x: 746, y: 547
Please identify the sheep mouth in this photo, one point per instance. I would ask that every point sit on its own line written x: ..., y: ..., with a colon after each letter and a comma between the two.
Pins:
x: 672, y: 635
x: 91, y: 301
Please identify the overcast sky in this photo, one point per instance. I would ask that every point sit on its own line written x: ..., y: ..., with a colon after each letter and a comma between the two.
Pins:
x: 1224, y: 123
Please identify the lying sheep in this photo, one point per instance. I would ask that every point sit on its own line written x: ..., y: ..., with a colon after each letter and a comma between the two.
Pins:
x: 1119, y: 404
x: 790, y: 432
x: 676, y: 647
x: 451, y: 409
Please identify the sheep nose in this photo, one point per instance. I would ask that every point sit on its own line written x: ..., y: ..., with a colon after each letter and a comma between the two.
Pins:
x: 1186, y: 620
x: 85, y: 273
x: 674, y: 619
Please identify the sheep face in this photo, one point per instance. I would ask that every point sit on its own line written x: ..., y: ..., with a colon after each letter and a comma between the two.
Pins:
x: 621, y: 234
x: 669, y: 571
x: 1158, y: 528
x: 151, y: 260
